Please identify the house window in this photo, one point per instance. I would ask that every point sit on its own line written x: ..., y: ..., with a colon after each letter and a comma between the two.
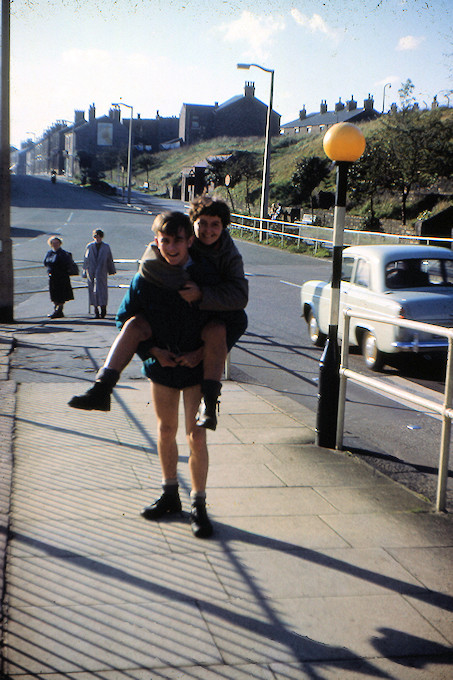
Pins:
x: 321, y: 128
x: 296, y: 130
x: 195, y: 122
x: 309, y: 129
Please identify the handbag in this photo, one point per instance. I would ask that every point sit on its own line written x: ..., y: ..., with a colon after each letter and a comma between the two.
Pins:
x: 73, y: 269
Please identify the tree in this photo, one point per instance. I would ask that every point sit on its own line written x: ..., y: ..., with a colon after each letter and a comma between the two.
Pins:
x: 419, y: 150
x: 308, y: 175
x: 145, y: 162
x: 368, y: 176
x: 243, y: 165
x: 238, y: 166
x: 406, y: 94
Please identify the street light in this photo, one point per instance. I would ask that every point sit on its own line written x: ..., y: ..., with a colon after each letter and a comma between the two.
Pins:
x: 343, y: 143
x: 129, y: 150
x: 383, y: 95
x: 267, y: 150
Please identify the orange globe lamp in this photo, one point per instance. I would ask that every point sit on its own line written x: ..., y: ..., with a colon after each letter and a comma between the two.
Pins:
x: 344, y: 142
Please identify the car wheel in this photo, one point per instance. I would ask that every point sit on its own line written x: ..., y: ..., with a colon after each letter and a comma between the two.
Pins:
x: 318, y: 339
x: 373, y: 356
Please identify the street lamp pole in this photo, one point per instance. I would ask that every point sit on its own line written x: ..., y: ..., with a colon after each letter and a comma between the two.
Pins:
x: 264, y: 213
x: 343, y: 143
x: 6, y: 257
x: 389, y: 85
x: 129, y: 150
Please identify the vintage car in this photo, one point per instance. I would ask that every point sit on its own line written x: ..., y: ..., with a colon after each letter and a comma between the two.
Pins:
x: 411, y: 282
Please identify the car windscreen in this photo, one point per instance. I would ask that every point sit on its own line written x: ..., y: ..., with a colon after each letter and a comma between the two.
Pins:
x: 419, y: 273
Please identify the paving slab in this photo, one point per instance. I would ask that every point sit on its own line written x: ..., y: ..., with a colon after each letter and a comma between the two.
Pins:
x: 320, y: 567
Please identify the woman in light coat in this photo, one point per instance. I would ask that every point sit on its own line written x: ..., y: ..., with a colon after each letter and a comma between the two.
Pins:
x: 97, y: 264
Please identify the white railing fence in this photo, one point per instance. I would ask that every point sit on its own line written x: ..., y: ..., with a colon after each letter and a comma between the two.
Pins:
x: 322, y: 236
x: 444, y: 409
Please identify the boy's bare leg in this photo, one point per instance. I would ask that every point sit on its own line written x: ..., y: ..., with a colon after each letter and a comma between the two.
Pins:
x: 196, y: 438
x: 98, y: 397
x: 198, y: 464
x: 166, y: 402
x: 214, y: 357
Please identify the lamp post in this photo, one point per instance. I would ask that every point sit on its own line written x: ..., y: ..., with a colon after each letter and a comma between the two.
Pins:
x: 129, y: 150
x: 6, y: 257
x: 383, y: 95
x: 267, y: 150
x: 343, y: 143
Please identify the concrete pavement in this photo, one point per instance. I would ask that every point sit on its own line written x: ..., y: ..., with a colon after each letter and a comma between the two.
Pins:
x: 320, y: 567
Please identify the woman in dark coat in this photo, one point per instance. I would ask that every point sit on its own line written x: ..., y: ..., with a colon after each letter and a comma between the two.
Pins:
x: 58, y: 262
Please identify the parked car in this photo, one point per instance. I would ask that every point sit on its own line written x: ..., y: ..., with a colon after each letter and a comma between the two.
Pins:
x: 411, y: 282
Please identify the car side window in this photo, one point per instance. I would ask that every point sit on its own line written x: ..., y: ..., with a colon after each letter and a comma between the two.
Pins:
x: 346, y: 268
x: 448, y: 265
x: 362, y: 274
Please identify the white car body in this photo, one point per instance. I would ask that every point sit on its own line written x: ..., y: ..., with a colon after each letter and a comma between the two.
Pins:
x: 367, y: 286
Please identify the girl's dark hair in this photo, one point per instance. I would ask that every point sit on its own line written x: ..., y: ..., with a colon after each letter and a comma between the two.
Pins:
x: 171, y: 222
x: 204, y: 205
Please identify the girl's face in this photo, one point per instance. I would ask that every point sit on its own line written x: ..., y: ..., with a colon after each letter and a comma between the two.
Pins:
x: 55, y: 244
x: 208, y: 229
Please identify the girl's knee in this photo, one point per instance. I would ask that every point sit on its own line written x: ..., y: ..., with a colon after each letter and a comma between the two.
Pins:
x: 214, y: 331
x: 138, y: 327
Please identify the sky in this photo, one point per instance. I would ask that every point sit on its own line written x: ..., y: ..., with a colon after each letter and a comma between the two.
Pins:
x: 156, y: 55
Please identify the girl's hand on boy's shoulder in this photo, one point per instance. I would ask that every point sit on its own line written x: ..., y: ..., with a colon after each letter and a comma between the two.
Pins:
x: 190, y: 292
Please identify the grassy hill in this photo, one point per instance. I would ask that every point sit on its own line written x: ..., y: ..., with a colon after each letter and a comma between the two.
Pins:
x: 286, y: 152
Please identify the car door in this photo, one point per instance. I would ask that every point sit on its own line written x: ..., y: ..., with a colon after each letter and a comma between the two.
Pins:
x: 357, y: 294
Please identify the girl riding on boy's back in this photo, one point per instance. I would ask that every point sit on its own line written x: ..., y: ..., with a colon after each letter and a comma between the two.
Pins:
x: 221, y: 300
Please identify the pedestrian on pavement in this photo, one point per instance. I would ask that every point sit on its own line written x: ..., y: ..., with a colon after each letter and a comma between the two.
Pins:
x: 97, y: 265
x: 173, y: 363
x: 58, y: 263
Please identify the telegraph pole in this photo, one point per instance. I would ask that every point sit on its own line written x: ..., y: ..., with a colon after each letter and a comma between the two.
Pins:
x: 6, y: 251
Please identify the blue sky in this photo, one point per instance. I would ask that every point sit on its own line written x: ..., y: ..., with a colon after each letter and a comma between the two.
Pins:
x: 157, y: 54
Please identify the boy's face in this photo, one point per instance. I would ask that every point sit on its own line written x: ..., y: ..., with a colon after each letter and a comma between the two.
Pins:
x: 208, y: 228
x: 174, y: 249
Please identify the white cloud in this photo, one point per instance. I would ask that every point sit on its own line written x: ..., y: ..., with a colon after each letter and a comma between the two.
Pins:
x: 253, y: 31
x: 409, y: 42
x: 315, y: 23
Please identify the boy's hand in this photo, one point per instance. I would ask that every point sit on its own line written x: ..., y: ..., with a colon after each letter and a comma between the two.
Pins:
x: 190, y: 292
x: 191, y: 359
x: 166, y: 358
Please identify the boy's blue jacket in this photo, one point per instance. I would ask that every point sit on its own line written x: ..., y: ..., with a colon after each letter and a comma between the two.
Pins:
x: 176, y: 325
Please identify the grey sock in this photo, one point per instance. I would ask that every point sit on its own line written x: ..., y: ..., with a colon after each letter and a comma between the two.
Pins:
x: 197, y: 497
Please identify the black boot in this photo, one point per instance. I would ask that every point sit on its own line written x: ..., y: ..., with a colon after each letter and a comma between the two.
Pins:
x: 207, y: 411
x: 199, y: 521
x: 98, y: 397
x: 167, y: 504
x: 103, y: 311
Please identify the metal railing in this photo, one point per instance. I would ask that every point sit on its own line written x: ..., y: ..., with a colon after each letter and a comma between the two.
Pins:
x: 79, y: 263
x: 322, y: 236
x: 444, y: 409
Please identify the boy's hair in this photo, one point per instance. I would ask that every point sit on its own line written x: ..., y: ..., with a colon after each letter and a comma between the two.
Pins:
x: 98, y: 232
x: 204, y: 205
x: 171, y: 222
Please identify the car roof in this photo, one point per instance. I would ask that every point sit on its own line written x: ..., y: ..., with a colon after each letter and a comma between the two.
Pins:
x: 387, y: 253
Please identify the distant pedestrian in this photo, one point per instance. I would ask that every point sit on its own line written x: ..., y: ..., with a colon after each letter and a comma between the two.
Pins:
x: 58, y: 263
x: 97, y: 265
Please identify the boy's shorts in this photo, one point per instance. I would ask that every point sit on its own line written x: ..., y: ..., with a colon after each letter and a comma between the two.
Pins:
x: 178, y: 377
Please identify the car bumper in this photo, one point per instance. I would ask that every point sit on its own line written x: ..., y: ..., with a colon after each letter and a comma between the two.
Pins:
x: 420, y: 346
